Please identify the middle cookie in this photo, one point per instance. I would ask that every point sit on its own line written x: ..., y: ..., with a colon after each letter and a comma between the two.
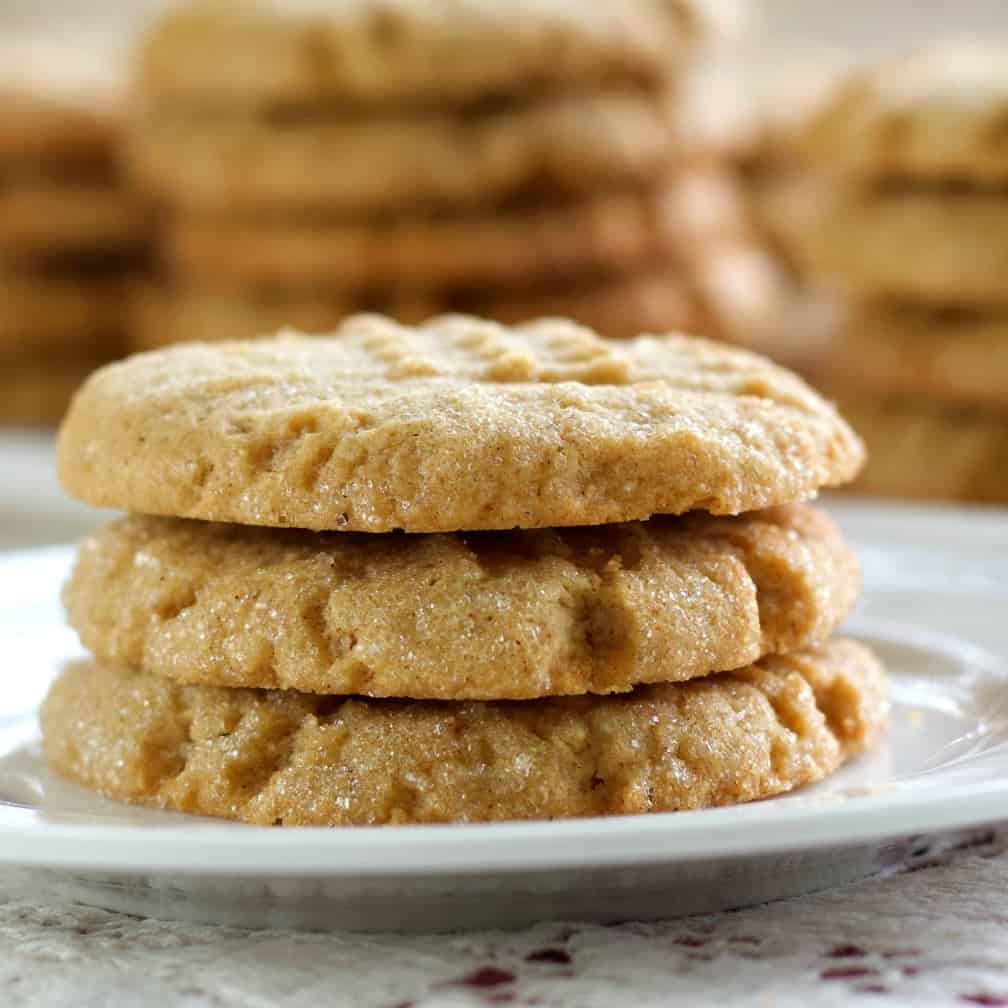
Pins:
x: 464, y: 616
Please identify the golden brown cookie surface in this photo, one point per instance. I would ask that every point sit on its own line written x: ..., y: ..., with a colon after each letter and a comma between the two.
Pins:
x: 298, y: 759
x: 482, y: 616
x: 456, y: 424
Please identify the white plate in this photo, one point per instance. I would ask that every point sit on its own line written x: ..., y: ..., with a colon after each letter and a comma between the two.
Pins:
x: 935, y: 606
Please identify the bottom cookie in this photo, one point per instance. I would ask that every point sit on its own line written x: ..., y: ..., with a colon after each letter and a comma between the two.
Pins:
x: 280, y: 757
x: 924, y: 451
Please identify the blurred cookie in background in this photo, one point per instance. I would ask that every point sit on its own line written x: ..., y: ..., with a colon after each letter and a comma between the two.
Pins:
x: 915, y: 239
x: 69, y: 233
x: 785, y: 200
x: 420, y: 157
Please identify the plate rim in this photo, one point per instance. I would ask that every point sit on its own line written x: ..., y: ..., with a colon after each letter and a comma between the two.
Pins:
x: 220, y: 848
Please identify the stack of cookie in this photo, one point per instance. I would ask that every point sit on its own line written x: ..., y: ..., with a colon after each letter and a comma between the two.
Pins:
x: 415, y: 157
x: 426, y: 585
x: 67, y: 239
x: 916, y: 238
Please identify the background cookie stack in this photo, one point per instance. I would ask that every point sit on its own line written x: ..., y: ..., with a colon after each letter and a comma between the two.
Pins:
x: 67, y: 240
x: 918, y: 236
x: 389, y: 663
x: 512, y: 160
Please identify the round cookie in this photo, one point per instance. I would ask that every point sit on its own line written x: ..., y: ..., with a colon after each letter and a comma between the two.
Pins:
x: 959, y: 358
x: 482, y: 616
x: 939, y: 113
x: 47, y: 218
x: 924, y: 451
x: 286, y: 758
x: 550, y: 238
x: 457, y: 424
x: 241, y: 163
x: 409, y: 51
x: 43, y: 311
x: 931, y: 246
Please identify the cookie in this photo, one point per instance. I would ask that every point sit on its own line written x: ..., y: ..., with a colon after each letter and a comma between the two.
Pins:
x: 36, y: 394
x: 287, y: 758
x: 243, y: 163
x: 933, y: 246
x: 40, y: 312
x: 959, y: 358
x: 38, y: 129
x: 406, y: 51
x: 521, y: 244
x: 482, y: 616
x: 920, y: 450
x: 458, y: 424
x: 939, y: 113
x: 43, y: 219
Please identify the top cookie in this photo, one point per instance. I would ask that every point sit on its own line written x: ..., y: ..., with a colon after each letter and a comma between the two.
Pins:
x: 456, y: 424
x: 305, y: 51
x: 941, y: 112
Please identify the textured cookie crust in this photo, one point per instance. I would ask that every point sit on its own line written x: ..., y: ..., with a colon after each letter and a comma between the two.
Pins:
x: 486, y: 616
x: 458, y: 424
x: 243, y: 163
x: 551, y: 238
x: 40, y: 312
x: 298, y: 759
x: 931, y: 246
x: 956, y: 358
x: 917, y: 449
x: 284, y: 53
x: 938, y: 113
x: 43, y: 218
